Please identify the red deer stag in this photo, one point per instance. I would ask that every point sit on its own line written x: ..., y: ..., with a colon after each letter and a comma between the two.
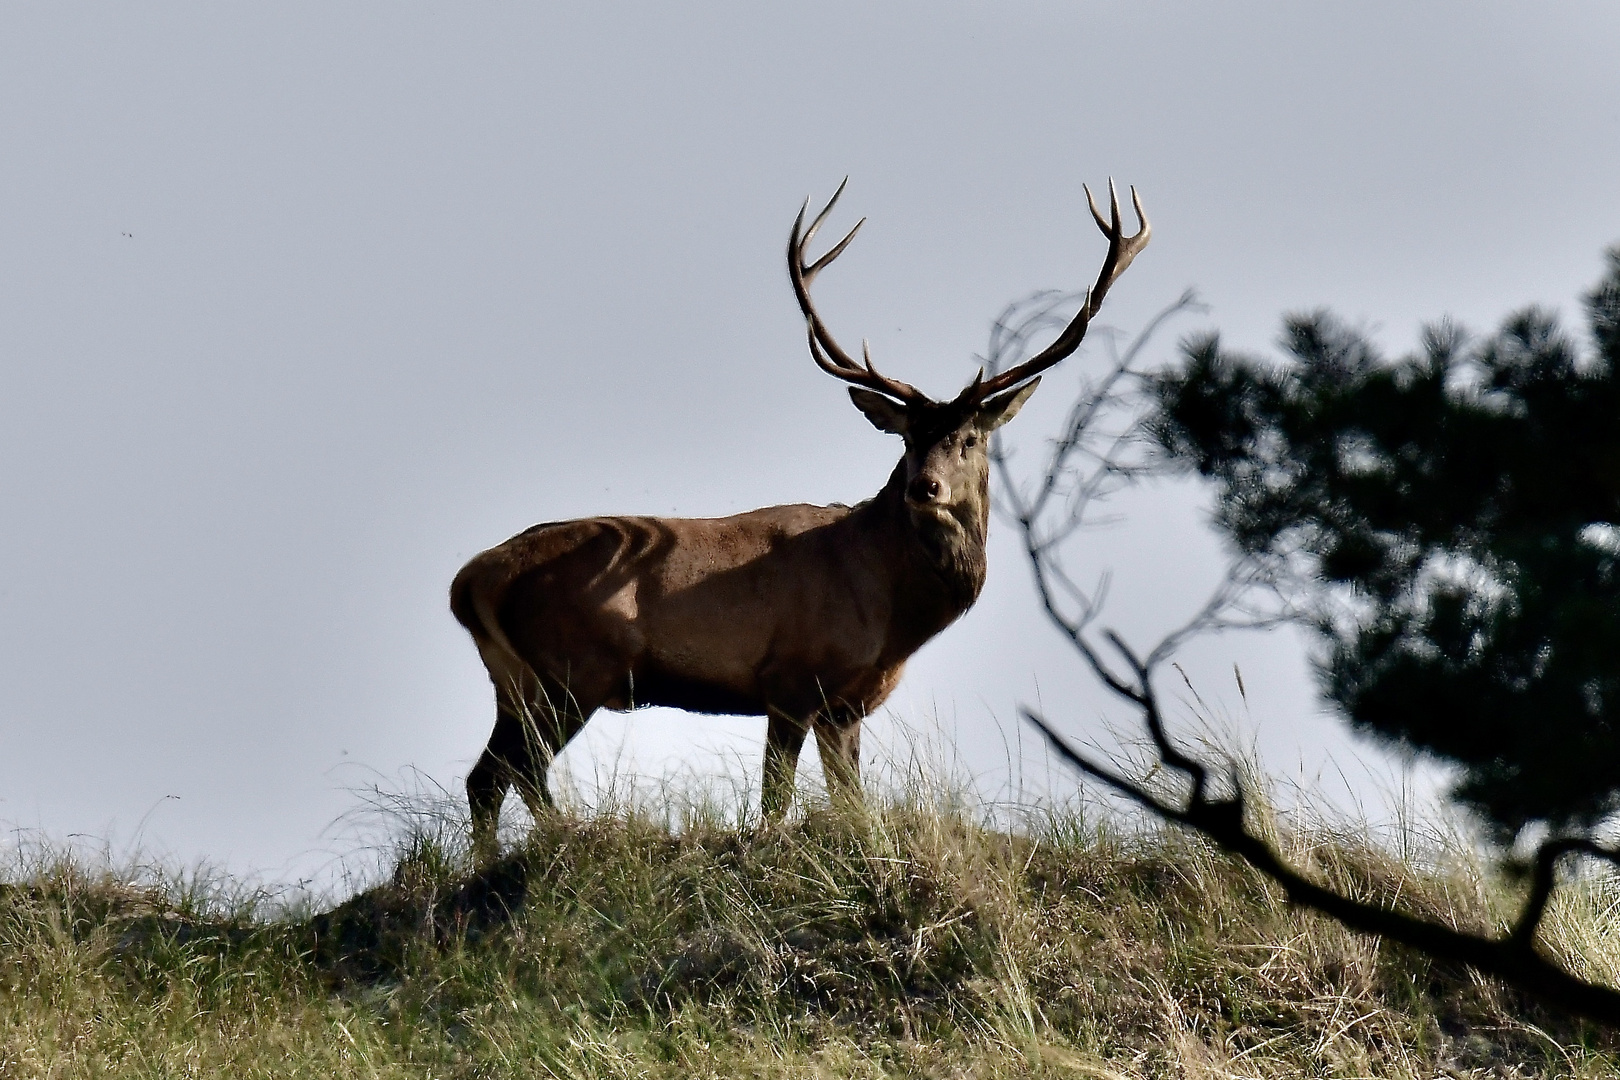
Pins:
x: 802, y: 614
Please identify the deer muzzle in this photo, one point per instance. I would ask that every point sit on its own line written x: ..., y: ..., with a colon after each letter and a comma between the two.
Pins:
x: 926, y: 490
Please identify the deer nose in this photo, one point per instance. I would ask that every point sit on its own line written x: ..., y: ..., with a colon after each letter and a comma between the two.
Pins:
x: 925, y: 489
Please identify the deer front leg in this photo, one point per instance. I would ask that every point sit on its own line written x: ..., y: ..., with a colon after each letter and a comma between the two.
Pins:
x: 784, y: 738
x: 838, y: 737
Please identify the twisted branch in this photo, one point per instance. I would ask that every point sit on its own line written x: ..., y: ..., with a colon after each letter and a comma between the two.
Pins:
x: 1101, y: 431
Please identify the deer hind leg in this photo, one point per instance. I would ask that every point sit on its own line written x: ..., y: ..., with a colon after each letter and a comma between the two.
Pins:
x: 838, y: 737
x: 784, y: 738
x: 535, y: 717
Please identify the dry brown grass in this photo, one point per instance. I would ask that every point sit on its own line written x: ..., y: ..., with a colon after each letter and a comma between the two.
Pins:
x: 909, y: 940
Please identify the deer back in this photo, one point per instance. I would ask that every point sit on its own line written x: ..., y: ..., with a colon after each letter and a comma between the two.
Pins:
x: 772, y: 608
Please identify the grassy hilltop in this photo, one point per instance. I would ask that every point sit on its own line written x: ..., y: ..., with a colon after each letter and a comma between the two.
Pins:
x: 910, y: 940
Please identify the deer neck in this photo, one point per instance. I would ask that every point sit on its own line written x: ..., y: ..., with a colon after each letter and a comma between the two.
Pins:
x: 937, y: 560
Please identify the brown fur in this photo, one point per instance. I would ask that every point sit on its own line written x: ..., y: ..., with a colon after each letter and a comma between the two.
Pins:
x: 802, y: 614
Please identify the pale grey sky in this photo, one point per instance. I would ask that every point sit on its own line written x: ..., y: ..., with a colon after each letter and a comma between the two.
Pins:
x: 303, y: 304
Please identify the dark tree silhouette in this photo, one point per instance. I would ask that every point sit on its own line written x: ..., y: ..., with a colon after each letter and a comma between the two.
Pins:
x: 1455, y: 519
x: 1448, y: 523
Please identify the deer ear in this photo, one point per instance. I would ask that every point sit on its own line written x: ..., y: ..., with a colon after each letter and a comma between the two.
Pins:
x: 885, y: 415
x: 999, y: 410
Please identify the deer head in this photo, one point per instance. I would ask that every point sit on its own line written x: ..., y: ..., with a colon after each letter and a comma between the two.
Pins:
x: 945, y: 475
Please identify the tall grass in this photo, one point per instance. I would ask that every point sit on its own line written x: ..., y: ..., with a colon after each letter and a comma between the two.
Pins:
x: 919, y: 937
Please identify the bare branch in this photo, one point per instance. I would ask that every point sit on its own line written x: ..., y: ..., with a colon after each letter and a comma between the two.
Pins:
x: 1084, y: 433
x: 1129, y: 788
x: 1543, y: 879
x: 1511, y: 958
x: 1092, y: 458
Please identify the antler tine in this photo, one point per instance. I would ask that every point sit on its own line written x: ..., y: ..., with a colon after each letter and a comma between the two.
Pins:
x: 816, y: 267
x: 1122, y: 250
x: 1096, y: 214
x: 824, y: 350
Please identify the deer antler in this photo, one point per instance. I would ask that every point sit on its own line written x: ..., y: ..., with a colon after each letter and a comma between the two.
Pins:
x: 1121, y: 250
x: 823, y: 349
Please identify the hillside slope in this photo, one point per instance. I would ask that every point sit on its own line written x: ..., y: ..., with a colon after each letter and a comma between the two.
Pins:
x: 908, y: 941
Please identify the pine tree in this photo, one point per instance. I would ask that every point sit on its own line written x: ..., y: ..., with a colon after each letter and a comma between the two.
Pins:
x: 1454, y: 520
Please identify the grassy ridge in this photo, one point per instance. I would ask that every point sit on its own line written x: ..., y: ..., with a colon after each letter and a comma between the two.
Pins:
x: 908, y: 940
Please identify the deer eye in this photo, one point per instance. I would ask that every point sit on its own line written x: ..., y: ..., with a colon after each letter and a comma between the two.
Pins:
x: 970, y: 442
